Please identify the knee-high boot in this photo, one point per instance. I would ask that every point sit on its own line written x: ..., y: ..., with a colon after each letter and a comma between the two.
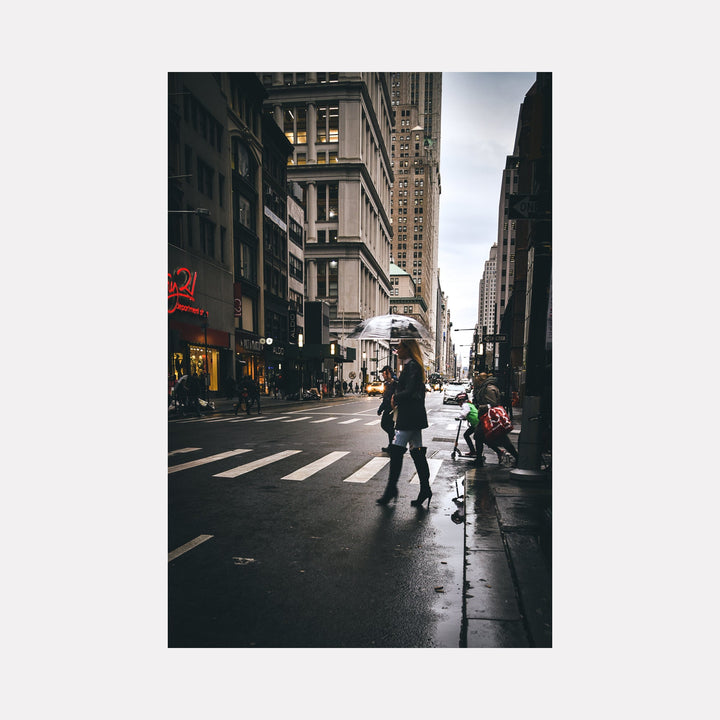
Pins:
x: 396, y: 461
x: 419, y: 456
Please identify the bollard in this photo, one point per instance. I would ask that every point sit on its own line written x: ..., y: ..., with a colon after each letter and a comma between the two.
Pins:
x: 529, y: 446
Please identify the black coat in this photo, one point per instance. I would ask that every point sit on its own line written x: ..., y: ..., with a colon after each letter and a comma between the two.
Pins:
x: 388, y: 392
x: 410, y: 398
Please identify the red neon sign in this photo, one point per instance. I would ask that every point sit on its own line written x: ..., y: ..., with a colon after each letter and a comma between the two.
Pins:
x: 181, y: 286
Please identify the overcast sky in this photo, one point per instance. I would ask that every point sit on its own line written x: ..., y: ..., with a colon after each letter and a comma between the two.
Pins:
x: 478, y: 125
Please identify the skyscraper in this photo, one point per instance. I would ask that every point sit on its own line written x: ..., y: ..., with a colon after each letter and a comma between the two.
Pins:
x: 416, y: 99
x: 487, y: 303
x: 340, y: 126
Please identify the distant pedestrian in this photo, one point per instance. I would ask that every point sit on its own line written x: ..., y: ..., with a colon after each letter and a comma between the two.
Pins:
x: 386, y: 409
x: 357, y: 388
x: 181, y: 396
x: 194, y: 393
x: 243, y: 393
x: 409, y: 399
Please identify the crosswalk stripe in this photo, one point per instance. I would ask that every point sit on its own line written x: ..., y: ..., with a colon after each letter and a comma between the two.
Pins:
x: 307, y: 417
x: 182, y: 450
x: 322, y: 421
x: 205, y: 460
x: 347, y: 422
x: 273, y: 419
x: 368, y: 470
x: 245, y: 419
x: 374, y: 422
x: 242, y: 469
x: 187, y: 546
x: 312, y: 468
x: 434, y: 465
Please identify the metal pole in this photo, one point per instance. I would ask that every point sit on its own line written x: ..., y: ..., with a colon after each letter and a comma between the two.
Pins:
x: 207, y: 375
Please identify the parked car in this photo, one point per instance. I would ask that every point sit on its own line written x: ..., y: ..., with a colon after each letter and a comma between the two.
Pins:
x: 451, y: 391
x: 375, y: 388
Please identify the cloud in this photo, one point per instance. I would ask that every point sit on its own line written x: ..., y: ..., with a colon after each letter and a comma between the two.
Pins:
x: 478, y: 126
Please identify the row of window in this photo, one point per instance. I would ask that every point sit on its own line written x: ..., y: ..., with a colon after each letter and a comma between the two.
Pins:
x: 300, y: 158
x: 201, y: 120
x: 327, y: 124
x: 204, y: 176
x: 197, y: 233
x: 301, y: 78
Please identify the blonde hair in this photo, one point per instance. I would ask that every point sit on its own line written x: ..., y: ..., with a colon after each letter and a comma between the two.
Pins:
x: 415, y: 353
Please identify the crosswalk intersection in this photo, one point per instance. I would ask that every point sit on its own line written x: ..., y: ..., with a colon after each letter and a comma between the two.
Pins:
x: 363, y: 472
x: 306, y: 463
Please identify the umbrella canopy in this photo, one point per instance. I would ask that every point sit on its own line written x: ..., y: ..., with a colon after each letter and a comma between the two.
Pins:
x: 390, y: 327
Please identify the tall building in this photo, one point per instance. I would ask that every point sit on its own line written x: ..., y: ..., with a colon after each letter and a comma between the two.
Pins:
x: 507, y: 237
x: 200, y: 261
x: 340, y: 126
x: 487, y: 304
x: 416, y: 106
x: 235, y: 235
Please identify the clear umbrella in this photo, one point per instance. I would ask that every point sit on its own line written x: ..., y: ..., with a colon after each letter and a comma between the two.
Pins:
x: 390, y: 327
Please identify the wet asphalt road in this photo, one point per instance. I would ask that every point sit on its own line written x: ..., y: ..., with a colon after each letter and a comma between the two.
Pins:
x: 313, y: 561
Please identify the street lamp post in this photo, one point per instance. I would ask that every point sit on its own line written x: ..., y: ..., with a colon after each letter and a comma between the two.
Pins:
x: 301, y: 342
x: 364, y: 371
x: 207, y: 364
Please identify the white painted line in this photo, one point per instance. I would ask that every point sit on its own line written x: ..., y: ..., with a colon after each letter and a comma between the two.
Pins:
x: 314, y: 467
x: 242, y: 469
x: 245, y: 419
x: 374, y: 422
x: 325, y: 420
x: 434, y: 465
x: 187, y: 546
x: 307, y: 417
x: 182, y: 450
x: 205, y: 460
x: 347, y: 422
x: 368, y: 470
x: 273, y: 419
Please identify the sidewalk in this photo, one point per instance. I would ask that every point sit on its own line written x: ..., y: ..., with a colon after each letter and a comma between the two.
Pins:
x: 508, y: 557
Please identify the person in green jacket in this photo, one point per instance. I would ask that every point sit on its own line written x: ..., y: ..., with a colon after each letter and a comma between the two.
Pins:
x: 468, y: 412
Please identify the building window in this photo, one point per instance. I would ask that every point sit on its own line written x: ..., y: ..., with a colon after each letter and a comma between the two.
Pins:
x: 296, y: 268
x: 245, y: 262
x: 328, y: 123
x: 243, y: 211
x: 327, y: 202
x: 296, y: 233
x: 295, y: 125
x: 204, y: 178
x: 327, y: 278
x: 207, y: 237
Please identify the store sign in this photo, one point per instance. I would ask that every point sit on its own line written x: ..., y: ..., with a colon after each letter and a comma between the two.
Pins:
x: 292, y: 326
x: 181, y: 290
x: 237, y: 299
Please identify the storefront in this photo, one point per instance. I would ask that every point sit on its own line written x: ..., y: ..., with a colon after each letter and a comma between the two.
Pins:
x: 194, y: 344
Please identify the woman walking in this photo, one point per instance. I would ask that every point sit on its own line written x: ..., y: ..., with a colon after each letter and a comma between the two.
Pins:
x: 409, y: 399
